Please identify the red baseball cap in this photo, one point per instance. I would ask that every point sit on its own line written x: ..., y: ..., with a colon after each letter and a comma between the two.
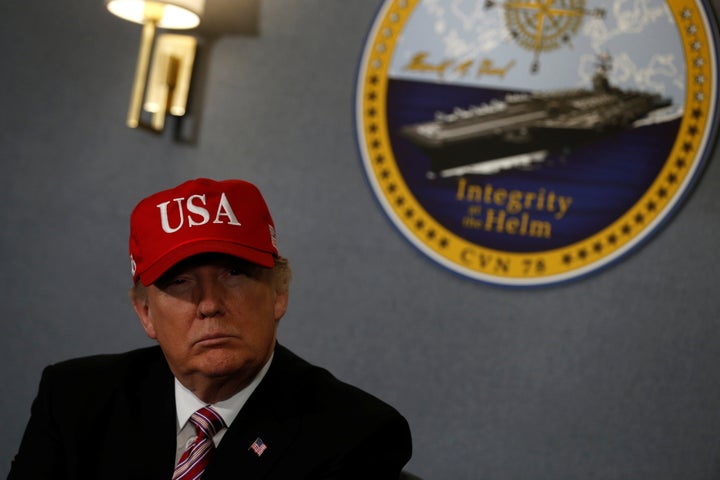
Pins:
x: 200, y: 216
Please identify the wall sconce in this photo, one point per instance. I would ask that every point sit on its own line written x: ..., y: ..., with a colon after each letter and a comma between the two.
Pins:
x: 168, y: 81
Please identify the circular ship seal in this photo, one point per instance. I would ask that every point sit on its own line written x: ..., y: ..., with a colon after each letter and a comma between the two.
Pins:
x: 535, y: 158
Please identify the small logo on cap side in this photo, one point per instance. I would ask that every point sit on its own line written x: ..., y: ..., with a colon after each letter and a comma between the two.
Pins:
x: 133, y: 266
x: 273, y: 236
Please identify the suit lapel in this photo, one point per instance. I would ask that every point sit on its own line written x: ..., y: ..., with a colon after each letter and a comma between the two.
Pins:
x: 135, y: 437
x: 236, y: 454
x: 156, y: 422
x: 268, y: 417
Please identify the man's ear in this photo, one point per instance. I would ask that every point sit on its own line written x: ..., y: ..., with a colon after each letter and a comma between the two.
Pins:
x: 281, y: 304
x: 142, y: 309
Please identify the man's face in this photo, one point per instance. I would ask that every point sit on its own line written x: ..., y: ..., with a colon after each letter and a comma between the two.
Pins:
x: 215, y: 317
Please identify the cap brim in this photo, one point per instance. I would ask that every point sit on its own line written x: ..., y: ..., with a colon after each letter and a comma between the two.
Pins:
x: 196, y: 247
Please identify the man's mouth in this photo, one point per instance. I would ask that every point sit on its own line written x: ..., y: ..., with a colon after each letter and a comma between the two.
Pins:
x: 213, y: 339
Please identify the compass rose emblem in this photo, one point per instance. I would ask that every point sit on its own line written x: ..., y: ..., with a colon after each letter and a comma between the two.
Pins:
x: 544, y: 25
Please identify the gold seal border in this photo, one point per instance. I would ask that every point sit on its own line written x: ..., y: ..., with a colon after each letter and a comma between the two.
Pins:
x: 549, y: 266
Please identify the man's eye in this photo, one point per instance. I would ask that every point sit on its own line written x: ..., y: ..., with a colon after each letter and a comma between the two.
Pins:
x: 171, y: 282
x: 237, y: 271
x: 242, y: 270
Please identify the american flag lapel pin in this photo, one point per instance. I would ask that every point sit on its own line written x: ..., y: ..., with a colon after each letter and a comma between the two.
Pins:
x: 258, y: 446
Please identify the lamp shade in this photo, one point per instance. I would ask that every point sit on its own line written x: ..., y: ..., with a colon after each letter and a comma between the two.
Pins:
x: 173, y: 14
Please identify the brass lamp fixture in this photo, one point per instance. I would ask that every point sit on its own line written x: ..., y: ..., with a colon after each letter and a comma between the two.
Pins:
x: 168, y: 81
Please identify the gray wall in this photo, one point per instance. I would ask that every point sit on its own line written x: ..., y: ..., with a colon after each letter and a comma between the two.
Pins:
x: 611, y: 377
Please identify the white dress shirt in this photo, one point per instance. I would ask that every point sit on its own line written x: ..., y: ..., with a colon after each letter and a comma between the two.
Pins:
x: 186, y: 403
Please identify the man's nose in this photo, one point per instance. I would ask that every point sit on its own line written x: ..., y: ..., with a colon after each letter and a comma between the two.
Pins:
x: 210, y: 302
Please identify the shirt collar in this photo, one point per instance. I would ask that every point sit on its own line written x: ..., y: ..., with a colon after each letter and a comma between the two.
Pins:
x: 186, y: 403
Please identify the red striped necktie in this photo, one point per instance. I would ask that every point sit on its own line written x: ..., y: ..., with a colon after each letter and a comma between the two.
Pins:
x: 191, y: 465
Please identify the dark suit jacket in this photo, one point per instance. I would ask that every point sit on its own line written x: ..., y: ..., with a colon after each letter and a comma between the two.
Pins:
x: 113, y: 417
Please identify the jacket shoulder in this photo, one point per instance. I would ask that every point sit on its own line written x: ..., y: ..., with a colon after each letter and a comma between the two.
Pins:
x: 97, y: 373
x: 317, y: 390
x: 107, y: 363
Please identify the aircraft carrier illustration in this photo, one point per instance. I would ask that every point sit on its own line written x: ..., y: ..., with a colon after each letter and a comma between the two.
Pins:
x: 523, y: 128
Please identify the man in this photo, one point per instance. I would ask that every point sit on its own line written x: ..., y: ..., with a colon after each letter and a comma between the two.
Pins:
x: 219, y: 397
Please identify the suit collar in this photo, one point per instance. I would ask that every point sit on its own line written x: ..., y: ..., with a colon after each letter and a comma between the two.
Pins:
x: 156, y: 420
x: 186, y: 403
x: 135, y: 432
x: 268, y: 418
x: 270, y: 414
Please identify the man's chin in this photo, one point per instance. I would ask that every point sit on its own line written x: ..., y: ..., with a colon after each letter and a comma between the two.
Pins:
x: 220, y: 362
